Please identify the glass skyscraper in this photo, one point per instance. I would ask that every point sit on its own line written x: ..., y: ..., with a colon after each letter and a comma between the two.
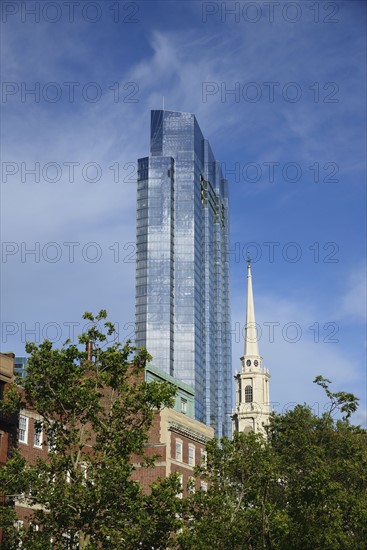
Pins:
x: 182, y: 272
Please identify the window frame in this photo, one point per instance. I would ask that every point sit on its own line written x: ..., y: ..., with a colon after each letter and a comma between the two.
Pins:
x: 249, y: 394
x: 203, y: 457
x: 40, y: 432
x: 180, y: 479
x: 18, y: 524
x: 25, y: 430
x: 183, y: 405
x: 178, y: 445
x: 191, y: 485
x: 191, y: 459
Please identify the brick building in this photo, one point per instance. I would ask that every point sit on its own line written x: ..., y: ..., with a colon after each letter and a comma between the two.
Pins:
x: 8, y: 421
x: 176, y: 437
x: 31, y: 445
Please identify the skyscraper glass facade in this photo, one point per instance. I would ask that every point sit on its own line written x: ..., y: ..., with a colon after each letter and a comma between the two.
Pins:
x: 182, y: 275
x: 20, y: 364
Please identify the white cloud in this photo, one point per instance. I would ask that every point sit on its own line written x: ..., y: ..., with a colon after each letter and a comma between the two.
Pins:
x: 175, y: 65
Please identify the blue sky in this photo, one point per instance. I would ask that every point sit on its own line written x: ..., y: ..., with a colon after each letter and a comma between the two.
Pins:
x: 278, y: 90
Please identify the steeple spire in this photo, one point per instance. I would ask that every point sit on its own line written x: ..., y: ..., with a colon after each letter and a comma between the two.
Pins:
x: 251, y: 339
x: 252, y: 382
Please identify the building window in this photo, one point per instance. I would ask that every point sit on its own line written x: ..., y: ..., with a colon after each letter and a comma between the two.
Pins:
x: 248, y: 394
x: 180, y: 479
x: 183, y: 405
x: 204, y: 486
x: 51, y: 439
x: 179, y: 450
x: 191, y: 455
x: 203, y: 457
x: 23, y: 429
x: 191, y: 485
x: 38, y: 435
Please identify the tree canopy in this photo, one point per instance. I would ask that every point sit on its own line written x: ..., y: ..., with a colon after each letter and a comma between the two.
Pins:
x: 96, y: 411
x: 303, y: 485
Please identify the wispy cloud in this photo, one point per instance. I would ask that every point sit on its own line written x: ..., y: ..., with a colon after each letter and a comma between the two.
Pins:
x: 174, y: 57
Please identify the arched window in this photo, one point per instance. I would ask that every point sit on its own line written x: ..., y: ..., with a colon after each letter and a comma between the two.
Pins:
x: 248, y: 394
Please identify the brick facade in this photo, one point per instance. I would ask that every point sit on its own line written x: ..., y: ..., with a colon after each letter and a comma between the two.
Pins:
x: 8, y: 421
x: 171, y: 427
x: 168, y: 428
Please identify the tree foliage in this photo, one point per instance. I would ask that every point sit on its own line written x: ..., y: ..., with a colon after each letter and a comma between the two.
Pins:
x: 96, y: 411
x: 304, y: 486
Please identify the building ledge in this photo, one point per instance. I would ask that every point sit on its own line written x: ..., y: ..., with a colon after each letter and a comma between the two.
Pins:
x: 188, y: 432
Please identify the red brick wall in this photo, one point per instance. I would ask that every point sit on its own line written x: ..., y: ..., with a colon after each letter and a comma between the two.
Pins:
x: 28, y: 450
x: 147, y: 476
x: 183, y: 468
x: 185, y: 448
x: 4, y: 444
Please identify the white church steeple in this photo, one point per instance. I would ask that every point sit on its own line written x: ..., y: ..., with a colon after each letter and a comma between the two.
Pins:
x: 251, y: 340
x: 252, y: 383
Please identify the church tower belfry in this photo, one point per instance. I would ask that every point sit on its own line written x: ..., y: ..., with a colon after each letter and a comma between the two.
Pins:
x: 252, y: 383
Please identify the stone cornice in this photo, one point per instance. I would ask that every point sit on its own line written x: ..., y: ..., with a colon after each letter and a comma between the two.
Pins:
x: 188, y: 432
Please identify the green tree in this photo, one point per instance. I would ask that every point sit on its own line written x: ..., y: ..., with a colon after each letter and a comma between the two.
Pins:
x: 324, y: 463
x: 96, y: 411
x: 241, y: 501
x: 303, y: 486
